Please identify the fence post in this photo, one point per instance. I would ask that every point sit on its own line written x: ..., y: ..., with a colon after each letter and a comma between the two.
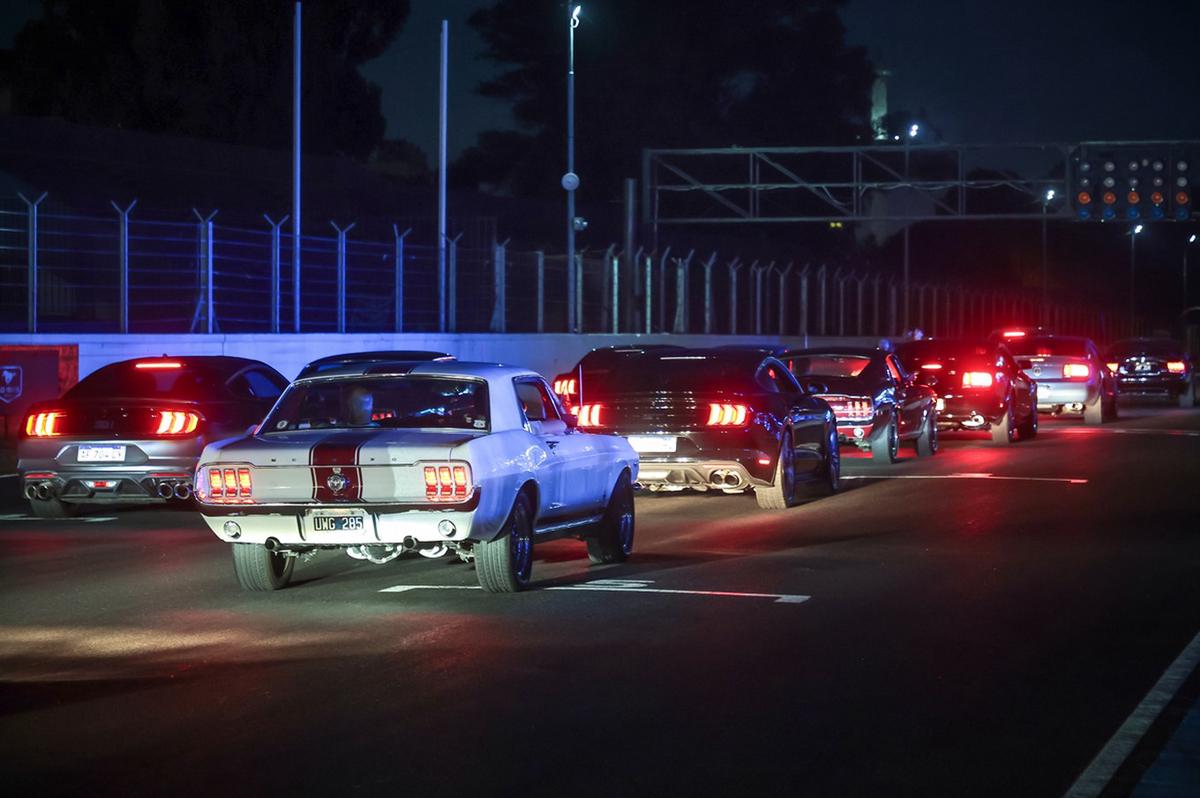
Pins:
x: 648, y: 294
x: 804, y: 303
x: 734, y: 265
x: 876, y: 305
x: 541, y: 290
x: 341, y: 274
x: 859, y: 285
x: 398, y: 283
x: 31, y: 251
x: 758, y: 295
x: 681, y: 293
x: 893, y: 321
x: 841, y: 300
x: 605, y: 286
x: 205, y: 256
x: 708, y: 293
x: 783, y: 275
x: 662, y: 289
x: 123, y: 262
x: 822, y: 299
x: 500, y: 288
x: 275, y: 267
x: 451, y: 306
x: 615, y: 262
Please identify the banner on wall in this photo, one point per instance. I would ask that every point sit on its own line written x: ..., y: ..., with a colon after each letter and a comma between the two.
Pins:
x: 31, y: 374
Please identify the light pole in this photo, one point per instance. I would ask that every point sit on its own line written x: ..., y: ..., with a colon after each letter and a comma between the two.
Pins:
x: 1133, y: 234
x: 1045, y: 274
x: 1191, y: 240
x: 570, y: 181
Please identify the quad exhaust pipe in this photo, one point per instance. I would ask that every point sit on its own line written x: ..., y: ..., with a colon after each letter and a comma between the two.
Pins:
x: 723, y: 478
x: 174, y: 489
x: 39, y: 490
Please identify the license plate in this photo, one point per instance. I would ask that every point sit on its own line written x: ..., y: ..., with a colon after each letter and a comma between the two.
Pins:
x: 101, y: 454
x: 652, y: 443
x: 1141, y: 366
x: 338, y: 522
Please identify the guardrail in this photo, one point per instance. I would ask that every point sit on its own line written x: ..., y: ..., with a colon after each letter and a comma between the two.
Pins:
x: 66, y: 271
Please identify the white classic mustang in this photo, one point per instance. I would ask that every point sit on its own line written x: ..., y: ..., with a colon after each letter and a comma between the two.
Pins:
x: 382, y: 458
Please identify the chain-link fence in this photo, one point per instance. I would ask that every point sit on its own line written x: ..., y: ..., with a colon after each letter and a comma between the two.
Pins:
x: 62, y: 270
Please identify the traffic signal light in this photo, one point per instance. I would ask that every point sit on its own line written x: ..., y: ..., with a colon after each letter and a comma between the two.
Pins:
x: 1132, y: 182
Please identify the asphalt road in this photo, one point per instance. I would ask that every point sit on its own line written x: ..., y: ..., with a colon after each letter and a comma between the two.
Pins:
x: 978, y: 623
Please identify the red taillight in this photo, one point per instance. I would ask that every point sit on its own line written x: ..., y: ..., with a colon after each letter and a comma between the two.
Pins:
x: 1176, y: 366
x: 589, y: 415
x: 977, y: 379
x: 564, y: 386
x: 226, y: 485
x: 931, y: 366
x: 723, y: 415
x: 1014, y: 333
x: 1077, y: 371
x: 447, y: 481
x: 1113, y: 367
x: 177, y: 422
x: 44, y: 425
x: 158, y: 364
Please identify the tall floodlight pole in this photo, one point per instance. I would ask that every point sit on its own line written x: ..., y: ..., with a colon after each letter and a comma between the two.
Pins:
x: 1133, y: 234
x: 295, y: 173
x: 1045, y: 273
x: 442, y: 177
x: 570, y: 181
x: 1191, y: 240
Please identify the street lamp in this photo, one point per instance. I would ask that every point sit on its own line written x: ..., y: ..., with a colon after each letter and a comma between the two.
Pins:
x: 1133, y: 234
x: 570, y: 181
x: 1045, y: 278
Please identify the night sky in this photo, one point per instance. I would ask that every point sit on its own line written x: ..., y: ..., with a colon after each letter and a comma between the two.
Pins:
x: 1021, y: 70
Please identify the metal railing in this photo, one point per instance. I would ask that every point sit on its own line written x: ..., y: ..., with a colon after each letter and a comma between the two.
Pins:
x: 65, y: 271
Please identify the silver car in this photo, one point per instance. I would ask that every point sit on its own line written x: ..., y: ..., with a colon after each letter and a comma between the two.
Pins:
x: 131, y: 432
x: 1070, y: 375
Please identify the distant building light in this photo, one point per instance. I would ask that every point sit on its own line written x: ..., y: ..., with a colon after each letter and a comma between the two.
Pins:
x: 913, y: 131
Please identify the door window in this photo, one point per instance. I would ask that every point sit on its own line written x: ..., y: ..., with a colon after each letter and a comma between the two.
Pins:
x: 894, y: 369
x: 535, y: 401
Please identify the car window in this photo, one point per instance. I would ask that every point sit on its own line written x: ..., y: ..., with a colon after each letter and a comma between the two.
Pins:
x: 894, y: 369
x: 535, y: 401
x: 775, y: 377
x: 256, y: 384
x: 408, y: 402
x: 828, y: 365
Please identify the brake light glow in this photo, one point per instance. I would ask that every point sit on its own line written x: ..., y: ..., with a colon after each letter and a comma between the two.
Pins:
x: 176, y: 422
x: 447, y: 481
x: 723, y: 415
x: 564, y: 386
x: 1175, y: 366
x: 1113, y: 367
x: 977, y: 379
x: 931, y: 366
x: 158, y: 364
x: 1014, y: 333
x: 1077, y: 371
x: 44, y: 425
x: 589, y: 415
x: 226, y: 485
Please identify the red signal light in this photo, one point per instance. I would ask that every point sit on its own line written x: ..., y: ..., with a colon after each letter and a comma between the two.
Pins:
x: 1133, y: 197
x: 1083, y: 198
x: 1157, y: 198
x: 1182, y: 198
x: 976, y: 379
x: 1109, y: 198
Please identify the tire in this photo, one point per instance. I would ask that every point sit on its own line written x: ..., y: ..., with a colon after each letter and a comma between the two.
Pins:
x: 1028, y: 429
x: 927, y: 441
x: 53, y: 508
x: 831, y: 475
x: 1113, y: 412
x: 1004, y: 431
x: 781, y: 493
x: 612, y: 540
x: 503, y: 565
x: 885, y: 448
x: 258, y: 569
x: 1093, y: 411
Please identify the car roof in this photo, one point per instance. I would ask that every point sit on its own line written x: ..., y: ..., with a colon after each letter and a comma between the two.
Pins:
x: 444, y: 368
x: 860, y: 351
x: 225, y: 363
x: 382, y: 354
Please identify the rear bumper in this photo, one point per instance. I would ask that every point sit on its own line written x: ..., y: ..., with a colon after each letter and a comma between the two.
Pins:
x: 661, y: 472
x: 147, y: 463
x: 295, y: 529
x: 855, y: 432
x: 1173, y: 384
x: 1053, y: 394
x: 969, y: 412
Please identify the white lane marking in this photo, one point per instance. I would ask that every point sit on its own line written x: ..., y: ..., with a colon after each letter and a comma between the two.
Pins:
x: 622, y: 586
x: 1099, y: 773
x: 9, y: 476
x: 1189, y: 433
x: 91, y: 519
x: 969, y: 475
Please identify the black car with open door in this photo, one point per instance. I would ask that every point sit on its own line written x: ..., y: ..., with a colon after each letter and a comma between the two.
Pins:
x: 878, y: 403
x: 715, y: 419
x: 979, y: 386
x: 132, y: 432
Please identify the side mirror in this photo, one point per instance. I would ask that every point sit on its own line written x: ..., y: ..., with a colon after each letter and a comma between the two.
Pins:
x: 571, y: 420
x: 252, y: 430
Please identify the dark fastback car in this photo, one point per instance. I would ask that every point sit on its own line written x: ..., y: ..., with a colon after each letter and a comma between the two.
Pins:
x: 1153, y: 366
x: 979, y: 386
x: 877, y: 402
x: 598, y: 363
x: 716, y: 419
x: 133, y: 431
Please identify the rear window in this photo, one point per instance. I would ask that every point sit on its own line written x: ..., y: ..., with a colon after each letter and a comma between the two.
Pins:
x: 126, y: 381
x: 828, y: 365
x: 409, y: 402
x: 1049, y: 347
x: 670, y: 373
x: 916, y: 354
x: 1159, y: 348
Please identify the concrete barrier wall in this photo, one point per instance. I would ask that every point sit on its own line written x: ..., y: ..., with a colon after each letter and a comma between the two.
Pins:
x: 549, y: 354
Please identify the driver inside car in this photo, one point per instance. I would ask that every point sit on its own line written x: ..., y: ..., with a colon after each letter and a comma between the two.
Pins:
x: 360, y: 407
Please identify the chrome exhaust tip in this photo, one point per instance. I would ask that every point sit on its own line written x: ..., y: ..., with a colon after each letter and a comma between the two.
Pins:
x: 272, y: 544
x: 43, y: 490
x: 31, y: 491
x: 183, y: 491
x: 165, y: 490
x: 410, y: 543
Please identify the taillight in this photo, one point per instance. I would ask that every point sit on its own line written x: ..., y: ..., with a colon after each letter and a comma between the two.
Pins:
x: 226, y: 485
x: 1014, y: 333
x: 1077, y: 371
x: 158, y: 364
x: 44, y: 425
x: 1113, y: 367
x: 1175, y: 366
x: 977, y: 379
x: 447, y: 481
x: 722, y: 415
x: 931, y: 366
x: 564, y: 387
x: 589, y: 415
x: 176, y: 422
